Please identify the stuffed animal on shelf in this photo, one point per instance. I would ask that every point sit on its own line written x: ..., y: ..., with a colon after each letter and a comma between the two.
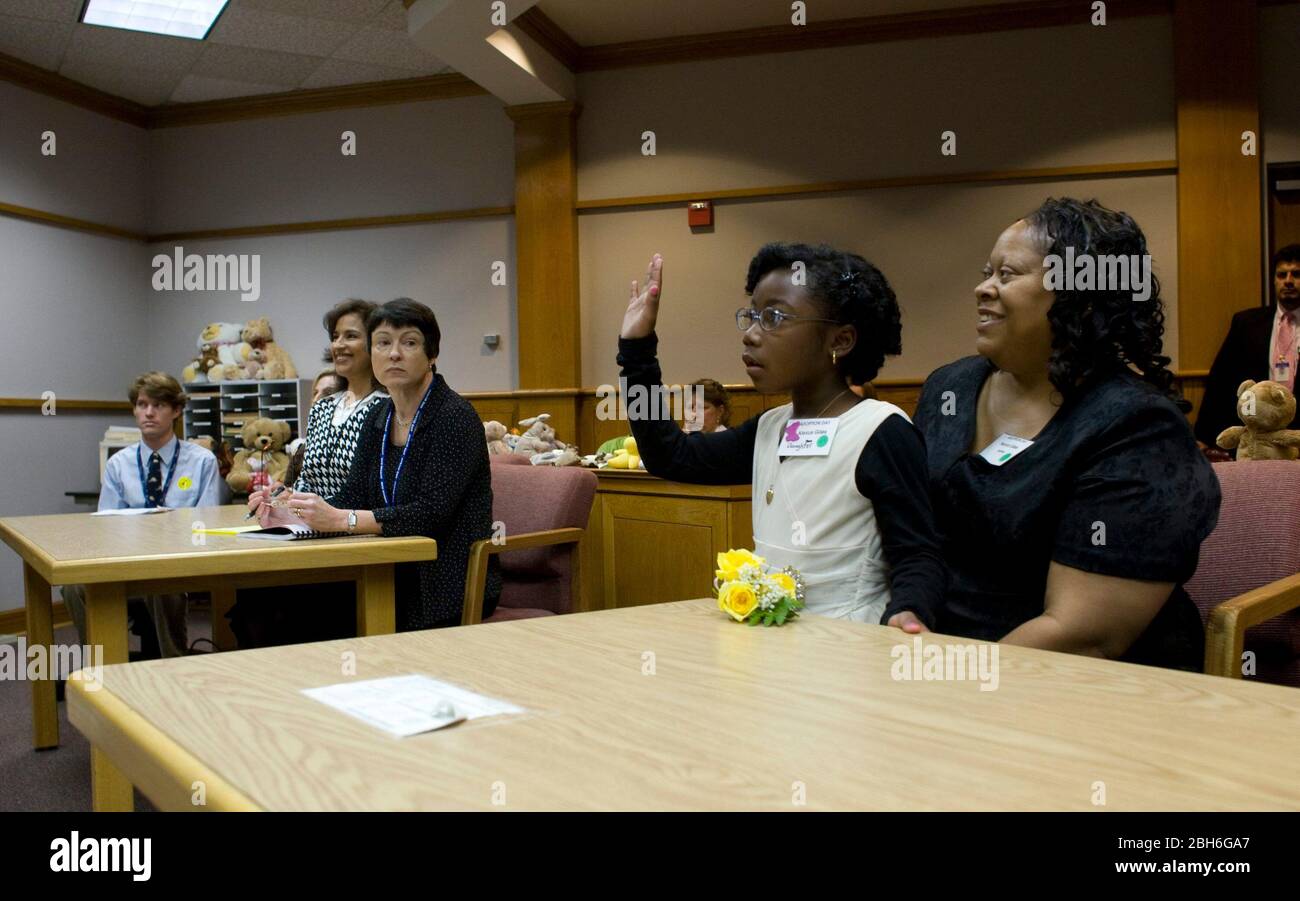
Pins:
x: 263, y: 459
x: 566, y: 457
x: 539, y: 437
x: 254, y: 367
x: 1266, y: 408
x: 278, y: 365
x: 219, y: 449
x: 626, y: 457
x: 495, y: 433
x: 219, y: 345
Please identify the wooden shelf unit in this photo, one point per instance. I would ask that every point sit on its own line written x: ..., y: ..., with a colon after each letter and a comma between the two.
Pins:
x: 220, y: 409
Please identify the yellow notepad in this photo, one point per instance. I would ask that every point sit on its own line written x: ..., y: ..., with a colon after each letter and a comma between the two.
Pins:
x: 228, y: 530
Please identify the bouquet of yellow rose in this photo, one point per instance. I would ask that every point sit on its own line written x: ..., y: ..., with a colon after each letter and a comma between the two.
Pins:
x: 752, y: 592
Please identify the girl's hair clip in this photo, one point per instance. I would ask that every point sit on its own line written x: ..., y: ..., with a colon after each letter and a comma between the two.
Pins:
x: 850, y: 277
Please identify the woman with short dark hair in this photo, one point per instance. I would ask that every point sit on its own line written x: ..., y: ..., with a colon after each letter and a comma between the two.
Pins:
x: 421, y: 468
x: 1069, y: 493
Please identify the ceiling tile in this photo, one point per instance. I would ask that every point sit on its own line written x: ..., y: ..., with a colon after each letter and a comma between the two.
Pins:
x: 49, y: 10
x: 223, y: 61
x: 115, y: 48
x: 334, y: 72
x: 382, y: 47
x: 196, y: 88
x: 35, y: 41
x: 149, y: 87
x: 341, y: 10
x: 244, y: 27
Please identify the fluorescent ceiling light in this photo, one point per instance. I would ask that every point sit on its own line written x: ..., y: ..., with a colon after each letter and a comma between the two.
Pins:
x: 178, y: 18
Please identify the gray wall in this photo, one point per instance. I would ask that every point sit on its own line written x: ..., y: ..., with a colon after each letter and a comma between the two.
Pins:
x: 73, y: 302
x: 872, y: 111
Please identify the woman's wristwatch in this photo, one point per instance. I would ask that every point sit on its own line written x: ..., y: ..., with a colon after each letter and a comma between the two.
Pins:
x: 352, y: 520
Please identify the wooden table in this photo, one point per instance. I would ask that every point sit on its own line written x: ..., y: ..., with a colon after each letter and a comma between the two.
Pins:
x: 673, y: 707
x: 117, y: 557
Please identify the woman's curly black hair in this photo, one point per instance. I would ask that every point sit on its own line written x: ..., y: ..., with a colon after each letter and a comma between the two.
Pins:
x: 1097, y: 333
x: 849, y: 290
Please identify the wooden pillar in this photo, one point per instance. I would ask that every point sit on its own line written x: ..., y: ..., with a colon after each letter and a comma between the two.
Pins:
x: 546, y: 252
x: 1220, y: 247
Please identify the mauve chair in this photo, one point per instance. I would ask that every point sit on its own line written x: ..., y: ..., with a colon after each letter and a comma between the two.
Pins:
x: 545, y: 511
x: 1247, y: 585
x: 510, y: 459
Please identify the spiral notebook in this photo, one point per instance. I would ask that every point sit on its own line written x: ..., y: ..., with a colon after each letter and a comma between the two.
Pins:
x: 274, y: 533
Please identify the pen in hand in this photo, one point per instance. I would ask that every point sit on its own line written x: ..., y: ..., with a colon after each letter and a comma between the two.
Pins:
x: 254, y: 511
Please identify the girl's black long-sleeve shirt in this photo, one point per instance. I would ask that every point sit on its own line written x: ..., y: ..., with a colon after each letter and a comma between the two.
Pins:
x: 890, y: 472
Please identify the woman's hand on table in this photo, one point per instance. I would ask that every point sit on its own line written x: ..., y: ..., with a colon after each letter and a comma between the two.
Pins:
x: 263, y: 495
x: 311, y: 510
x: 275, y: 512
x: 908, y: 622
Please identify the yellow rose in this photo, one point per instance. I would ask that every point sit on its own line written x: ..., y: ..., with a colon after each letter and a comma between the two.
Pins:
x: 785, y: 582
x: 737, y: 599
x: 729, y: 564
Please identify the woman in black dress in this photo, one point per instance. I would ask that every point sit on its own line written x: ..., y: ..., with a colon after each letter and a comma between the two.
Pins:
x: 1068, y: 489
x: 421, y: 468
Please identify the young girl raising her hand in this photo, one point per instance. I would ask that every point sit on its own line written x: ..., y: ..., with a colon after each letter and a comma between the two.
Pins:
x: 840, y: 488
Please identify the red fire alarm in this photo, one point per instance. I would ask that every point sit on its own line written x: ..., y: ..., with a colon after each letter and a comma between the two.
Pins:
x: 699, y: 212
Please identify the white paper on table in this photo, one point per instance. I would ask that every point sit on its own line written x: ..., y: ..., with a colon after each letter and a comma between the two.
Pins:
x: 408, y: 705
x: 131, y: 511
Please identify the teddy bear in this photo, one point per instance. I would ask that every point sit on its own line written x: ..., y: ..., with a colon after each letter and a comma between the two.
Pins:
x: 219, y: 346
x: 539, y: 437
x: 254, y: 367
x: 495, y: 433
x: 1266, y: 408
x: 219, y: 449
x: 278, y: 365
x: 263, y: 459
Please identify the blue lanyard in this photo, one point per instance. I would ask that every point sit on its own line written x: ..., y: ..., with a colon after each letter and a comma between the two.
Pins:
x: 171, y: 470
x: 383, y: 448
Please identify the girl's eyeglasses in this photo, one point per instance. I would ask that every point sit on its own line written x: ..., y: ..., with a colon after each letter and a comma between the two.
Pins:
x: 769, y: 318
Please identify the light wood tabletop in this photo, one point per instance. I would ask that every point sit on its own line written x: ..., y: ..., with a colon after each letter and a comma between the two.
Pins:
x: 117, y: 557
x: 674, y: 707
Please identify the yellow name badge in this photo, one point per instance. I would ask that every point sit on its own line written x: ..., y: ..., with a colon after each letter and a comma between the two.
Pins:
x: 184, y: 483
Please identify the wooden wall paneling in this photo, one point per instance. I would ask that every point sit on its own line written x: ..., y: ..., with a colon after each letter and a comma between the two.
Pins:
x: 660, y: 549
x: 546, y: 240
x: 1216, y: 78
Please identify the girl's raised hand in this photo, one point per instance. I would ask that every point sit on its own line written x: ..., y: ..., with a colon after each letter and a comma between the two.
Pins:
x: 643, y: 305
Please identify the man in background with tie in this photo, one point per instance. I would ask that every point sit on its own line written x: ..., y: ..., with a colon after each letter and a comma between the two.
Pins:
x: 159, y: 471
x: 1261, y: 345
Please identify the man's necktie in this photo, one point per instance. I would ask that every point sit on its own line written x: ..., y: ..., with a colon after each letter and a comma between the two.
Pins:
x: 1285, y: 349
x: 153, y: 484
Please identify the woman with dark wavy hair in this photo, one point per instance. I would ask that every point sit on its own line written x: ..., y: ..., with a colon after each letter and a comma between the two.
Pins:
x: 1069, y: 492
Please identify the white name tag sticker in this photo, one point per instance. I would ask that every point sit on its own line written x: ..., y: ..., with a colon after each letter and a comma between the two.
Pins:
x: 808, y: 437
x: 1003, y: 448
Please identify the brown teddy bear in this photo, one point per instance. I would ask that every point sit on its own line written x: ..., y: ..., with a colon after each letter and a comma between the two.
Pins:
x: 495, y: 432
x: 278, y: 365
x: 263, y: 459
x: 1266, y: 408
x: 219, y: 449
